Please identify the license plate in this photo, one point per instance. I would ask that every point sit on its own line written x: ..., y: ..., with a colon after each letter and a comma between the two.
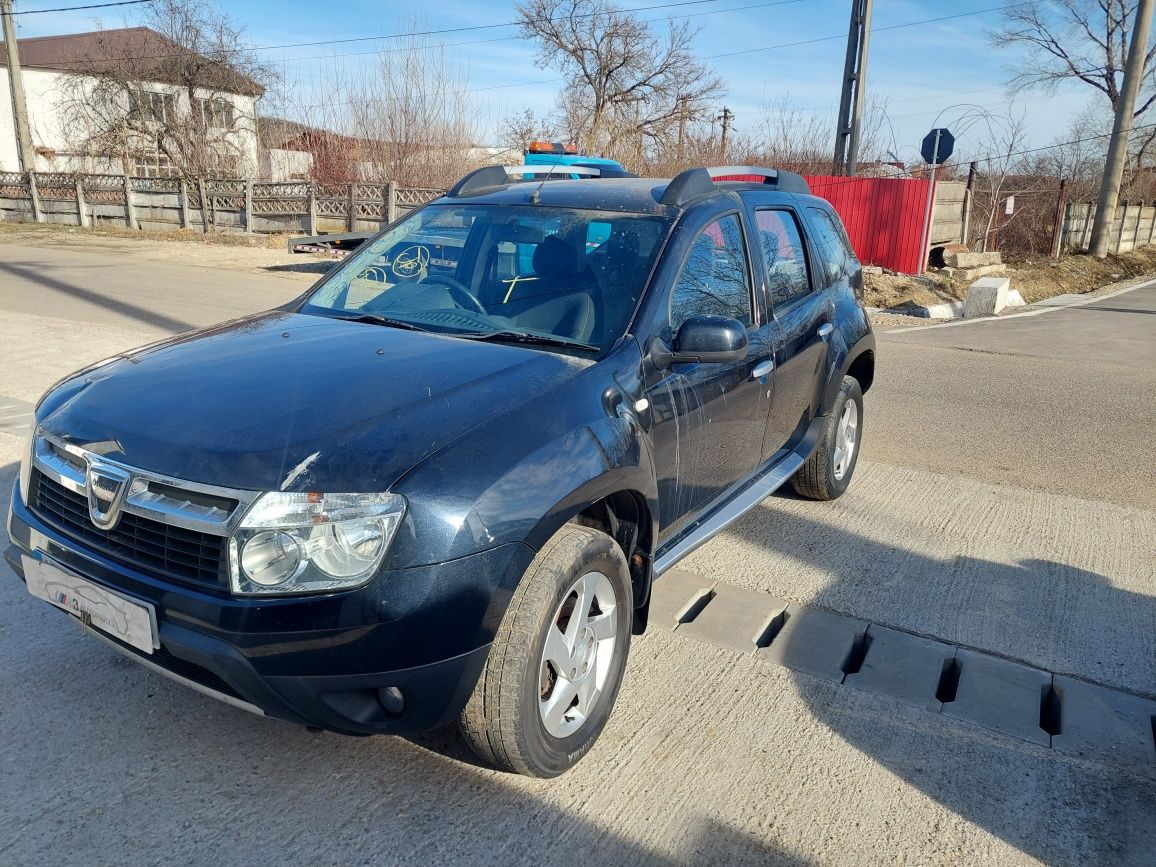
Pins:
x: 134, y: 623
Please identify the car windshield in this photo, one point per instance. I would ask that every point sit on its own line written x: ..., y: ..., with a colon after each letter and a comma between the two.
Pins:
x: 551, y: 276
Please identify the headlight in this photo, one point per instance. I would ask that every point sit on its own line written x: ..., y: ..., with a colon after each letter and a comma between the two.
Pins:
x: 308, y: 543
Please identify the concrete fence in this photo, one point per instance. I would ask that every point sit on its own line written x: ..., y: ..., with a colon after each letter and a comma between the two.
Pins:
x: 1134, y: 226
x: 226, y: 205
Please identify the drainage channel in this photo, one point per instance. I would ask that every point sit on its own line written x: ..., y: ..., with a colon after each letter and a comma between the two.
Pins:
x: 1057, y: 711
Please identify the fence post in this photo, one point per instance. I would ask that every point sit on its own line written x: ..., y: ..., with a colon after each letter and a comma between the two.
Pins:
x: 968, y: 194
x: 1136, y: 234
x: 130, y: 219
x: 183, y: 201
x: 204, y: 205
x: 1061, y: 217
x: 311, y: 228
x: 391, y: 202
x: 34, y: 195
x: 1152, y: 225
x: 351, y: 221
x: 1123, y: 216
x: 81, y: 216
x: 249, y: 205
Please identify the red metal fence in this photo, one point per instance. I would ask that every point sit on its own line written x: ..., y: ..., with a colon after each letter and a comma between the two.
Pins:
x: 883, y: 216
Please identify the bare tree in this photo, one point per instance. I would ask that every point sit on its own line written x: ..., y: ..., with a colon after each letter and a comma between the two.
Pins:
x: 1074, y: 40
x: 404, y: 116
x: 518, y: 130
x: 176, y: 96
x: 626, y: 86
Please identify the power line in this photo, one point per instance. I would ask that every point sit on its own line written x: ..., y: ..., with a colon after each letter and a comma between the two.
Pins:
x: 515, y: 37
x: 407, y: 35
x: 75, y: 8
x: 873, y: 30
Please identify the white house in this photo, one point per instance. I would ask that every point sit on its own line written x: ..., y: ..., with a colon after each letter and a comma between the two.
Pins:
x: 167, y: 99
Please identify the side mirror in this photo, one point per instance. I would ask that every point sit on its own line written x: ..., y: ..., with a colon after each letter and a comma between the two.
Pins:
x: 703, y: 339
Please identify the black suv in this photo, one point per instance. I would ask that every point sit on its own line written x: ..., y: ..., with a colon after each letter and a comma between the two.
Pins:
x: 439, y: 485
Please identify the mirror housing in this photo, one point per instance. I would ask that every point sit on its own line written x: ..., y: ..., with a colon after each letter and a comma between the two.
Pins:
x: 703, y: 339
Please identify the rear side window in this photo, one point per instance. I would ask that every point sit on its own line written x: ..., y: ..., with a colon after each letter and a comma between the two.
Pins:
x: 834, y: 248
x: 714, y: 279
x: 782, y: 244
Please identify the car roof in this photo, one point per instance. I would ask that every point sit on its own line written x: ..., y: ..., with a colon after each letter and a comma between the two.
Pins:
x: 628, y: 195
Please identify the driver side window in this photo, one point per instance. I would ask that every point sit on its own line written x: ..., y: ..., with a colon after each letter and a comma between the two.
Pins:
x: 714, y: 278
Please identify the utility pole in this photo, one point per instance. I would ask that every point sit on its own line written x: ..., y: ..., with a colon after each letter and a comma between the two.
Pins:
x: 726, y: 117
x: 854, y: 89
x: 1121, y: 130
x: 16, y: 85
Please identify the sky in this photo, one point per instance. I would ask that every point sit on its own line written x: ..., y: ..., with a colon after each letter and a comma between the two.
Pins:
x: 924, y: 70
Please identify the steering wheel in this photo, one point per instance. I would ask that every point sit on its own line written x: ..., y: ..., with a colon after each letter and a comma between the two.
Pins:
x: 458, y: 292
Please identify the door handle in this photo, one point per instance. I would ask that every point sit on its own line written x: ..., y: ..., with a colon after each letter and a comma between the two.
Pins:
x: 825, y: 330
x: 763, y: 368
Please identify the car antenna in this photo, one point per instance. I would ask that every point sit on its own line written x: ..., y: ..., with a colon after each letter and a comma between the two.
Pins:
x: 536, y: 195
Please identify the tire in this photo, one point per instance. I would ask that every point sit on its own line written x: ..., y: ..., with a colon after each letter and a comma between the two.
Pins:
x: 537, y: 712
x: 827, y: 473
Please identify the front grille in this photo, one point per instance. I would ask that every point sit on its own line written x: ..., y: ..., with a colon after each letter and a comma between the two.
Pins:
x: 187, y: 555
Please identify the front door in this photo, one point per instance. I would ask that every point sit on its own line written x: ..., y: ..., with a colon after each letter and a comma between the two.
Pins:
x: 709, y: 419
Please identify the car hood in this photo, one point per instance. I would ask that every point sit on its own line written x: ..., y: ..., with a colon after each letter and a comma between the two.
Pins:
x: 284, y: 401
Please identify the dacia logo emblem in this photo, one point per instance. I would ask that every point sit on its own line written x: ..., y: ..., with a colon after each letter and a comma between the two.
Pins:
x: 107, y: 486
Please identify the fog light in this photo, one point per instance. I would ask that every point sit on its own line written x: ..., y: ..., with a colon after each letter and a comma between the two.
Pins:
x: 392, y: 700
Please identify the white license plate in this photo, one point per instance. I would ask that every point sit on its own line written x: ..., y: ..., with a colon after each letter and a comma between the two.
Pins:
x: 134, y: 623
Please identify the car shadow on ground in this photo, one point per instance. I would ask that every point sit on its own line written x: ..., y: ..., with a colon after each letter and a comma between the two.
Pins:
x: 1104, y: 802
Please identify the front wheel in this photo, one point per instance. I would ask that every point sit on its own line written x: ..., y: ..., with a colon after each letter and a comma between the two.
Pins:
x: 827, y: 473
x: 557, y: 660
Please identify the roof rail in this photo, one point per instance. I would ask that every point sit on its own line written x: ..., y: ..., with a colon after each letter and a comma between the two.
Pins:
x: 696, y: 182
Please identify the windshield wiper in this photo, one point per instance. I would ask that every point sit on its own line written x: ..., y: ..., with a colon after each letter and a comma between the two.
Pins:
x: 528, y: 337
x: 375, y: 319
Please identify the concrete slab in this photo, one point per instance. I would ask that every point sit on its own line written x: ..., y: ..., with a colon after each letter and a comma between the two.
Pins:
x: 1001, y: 695
x: 815, y: 641
x: 1106, y: 725
x: 986, y: 297
x: 671, y: 593
x: 966, y: 274
x: 902, y: 666
x: 734, y: 618
x: 965, y: 259
x: 1015, y: 299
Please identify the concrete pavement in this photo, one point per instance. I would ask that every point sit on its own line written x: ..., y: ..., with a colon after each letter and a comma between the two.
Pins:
x: 973, y: 519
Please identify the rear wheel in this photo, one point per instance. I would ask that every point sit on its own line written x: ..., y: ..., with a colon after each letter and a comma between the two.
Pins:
x: 556, y: 663
x: 827, y: 473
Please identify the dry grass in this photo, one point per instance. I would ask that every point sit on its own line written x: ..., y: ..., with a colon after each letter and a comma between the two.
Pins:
x: 1034, y: 279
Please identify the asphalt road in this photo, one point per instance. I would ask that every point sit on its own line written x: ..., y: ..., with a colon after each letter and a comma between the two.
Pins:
x: 1004, y: 502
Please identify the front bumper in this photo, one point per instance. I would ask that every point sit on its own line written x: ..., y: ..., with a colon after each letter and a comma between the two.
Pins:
x: 315, y: 660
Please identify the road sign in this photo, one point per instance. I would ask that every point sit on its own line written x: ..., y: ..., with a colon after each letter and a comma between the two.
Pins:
x: 937, y: 146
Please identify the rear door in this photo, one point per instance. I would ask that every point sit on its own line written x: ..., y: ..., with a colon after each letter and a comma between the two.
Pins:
x: 800, y: 320
x: 709, y: 420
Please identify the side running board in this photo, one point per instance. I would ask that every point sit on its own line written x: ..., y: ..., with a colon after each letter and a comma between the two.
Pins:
x: 729, y: 512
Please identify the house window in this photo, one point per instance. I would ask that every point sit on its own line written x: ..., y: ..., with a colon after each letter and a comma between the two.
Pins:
x: 214, y: 113
x: 152, y: 162
x: 149, y: 105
